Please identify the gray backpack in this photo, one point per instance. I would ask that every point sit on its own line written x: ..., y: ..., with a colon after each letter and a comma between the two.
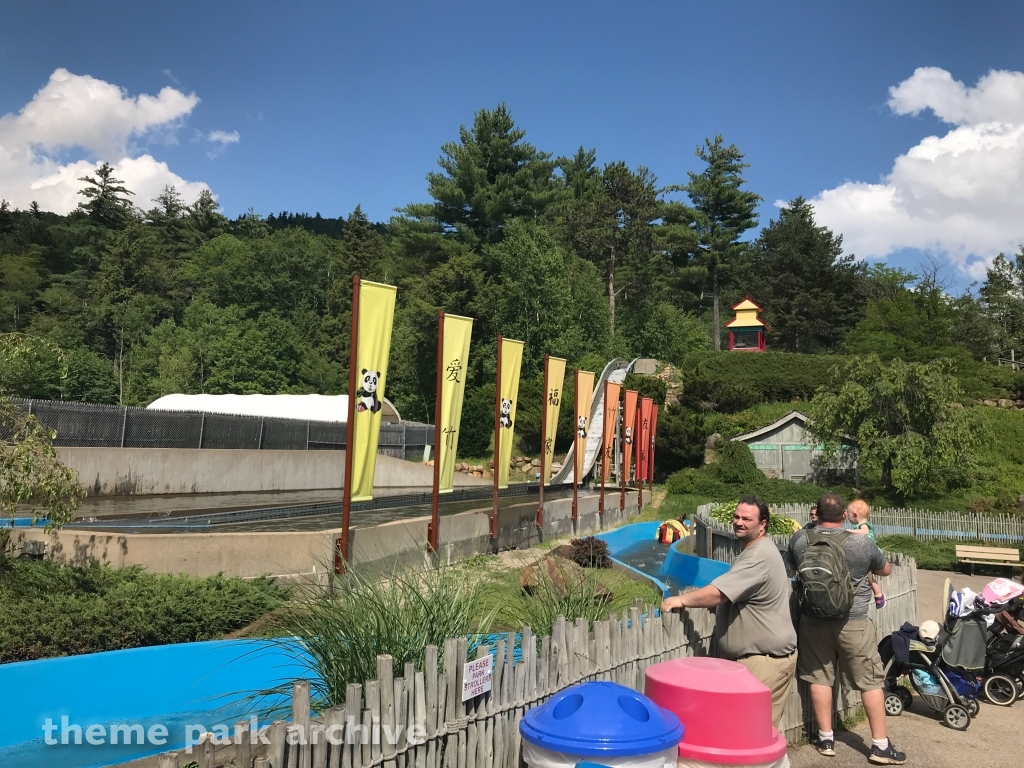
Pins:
x: 826, y: 587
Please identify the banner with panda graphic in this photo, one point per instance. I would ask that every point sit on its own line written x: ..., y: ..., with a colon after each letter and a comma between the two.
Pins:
x: 555, y: 378
x: 511, y: 362
x: 455, y: 359
x: 628, y: 431
x: 646, y: 408
x: 373, y: 347
x: 611, y: 418
x: 584, y: 399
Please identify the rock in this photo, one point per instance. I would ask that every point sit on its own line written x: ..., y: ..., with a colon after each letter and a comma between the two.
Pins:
x: 714, y: 441
x: 477, y: 473
x: 1004, y: 403
x: 429, y: 462
x: 1020, y: 502
x: 476, y: 468
x: 990, y: 403
x: 563, y: 575
x: 486, y: 474
x: 1019, y: 403
x: 535, y: 463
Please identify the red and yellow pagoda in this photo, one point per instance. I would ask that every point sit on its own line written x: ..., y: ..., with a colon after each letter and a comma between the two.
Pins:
x: 746, y: 331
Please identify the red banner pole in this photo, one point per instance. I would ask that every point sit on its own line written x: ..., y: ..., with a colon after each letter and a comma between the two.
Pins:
x: 497, y: 442
x: 543, y: 443
x: 341, y: 553
x: 604, y: 431
x: 650, y: 451
x: 435, y: 515
x: 575, y: 449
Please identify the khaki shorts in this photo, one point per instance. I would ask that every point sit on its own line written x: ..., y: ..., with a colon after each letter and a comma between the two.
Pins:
x: 852, y: 643
x: 777, y: 676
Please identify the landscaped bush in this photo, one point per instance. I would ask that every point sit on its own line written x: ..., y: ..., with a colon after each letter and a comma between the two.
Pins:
x: 741, y: 380
x: 778, y: 525
x: 646, y: 386
x: 50, y: 609
x: 937, y: 555
x: 590, y: 552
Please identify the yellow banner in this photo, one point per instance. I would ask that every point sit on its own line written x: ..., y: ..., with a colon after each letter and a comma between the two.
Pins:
x: 373, y: 346
x: 511, y: 362
x: 555, y: 377
x: 454, y: 359
x: 584, y: 398
x: 611, y: 417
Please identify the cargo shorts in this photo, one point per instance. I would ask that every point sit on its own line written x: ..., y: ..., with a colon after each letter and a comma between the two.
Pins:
x: 851, y: 643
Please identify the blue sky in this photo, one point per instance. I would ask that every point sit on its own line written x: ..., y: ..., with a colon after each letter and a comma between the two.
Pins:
x: 336, y: 104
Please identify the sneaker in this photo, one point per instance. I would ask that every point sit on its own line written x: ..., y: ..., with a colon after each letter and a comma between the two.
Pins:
x: 887, y: 757
x: 825, y: 747
x: 880, y: 602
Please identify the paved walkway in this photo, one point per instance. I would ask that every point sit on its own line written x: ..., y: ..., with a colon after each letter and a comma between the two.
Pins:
x: 995, y: 738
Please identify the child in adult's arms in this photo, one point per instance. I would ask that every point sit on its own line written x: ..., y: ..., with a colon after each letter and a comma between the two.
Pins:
x: 858, y: 512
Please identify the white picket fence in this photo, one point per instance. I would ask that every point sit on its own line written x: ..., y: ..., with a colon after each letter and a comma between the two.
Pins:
x: 924, y: 524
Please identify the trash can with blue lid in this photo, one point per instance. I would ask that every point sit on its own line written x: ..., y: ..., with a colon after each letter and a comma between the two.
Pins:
x: 603, y: 723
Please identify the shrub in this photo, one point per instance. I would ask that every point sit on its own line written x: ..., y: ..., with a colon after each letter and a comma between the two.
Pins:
x: 477, y: 427
x: 647, y: 386
x: 590, y: 552
x: 57, y: 610
x: 679, y: 441
x: 740, y: 380
x: 778, y: 525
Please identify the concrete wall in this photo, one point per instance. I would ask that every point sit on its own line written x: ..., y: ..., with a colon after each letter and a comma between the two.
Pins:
x: 142, y: 471
x: 306, y: 553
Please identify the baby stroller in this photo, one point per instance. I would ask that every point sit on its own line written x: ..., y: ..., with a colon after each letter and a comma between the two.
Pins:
x: 941, y: 670
x: 1004, y: 657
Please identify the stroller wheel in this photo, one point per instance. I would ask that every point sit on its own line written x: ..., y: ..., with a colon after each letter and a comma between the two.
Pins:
x: 956, y: 717
x: 904, y: 693
x: 893, y: 704
x: 973, y: 707
x: 1000, y: 690
x: 1020, y: 687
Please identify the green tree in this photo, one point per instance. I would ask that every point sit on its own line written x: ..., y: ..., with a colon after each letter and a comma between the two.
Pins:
x: 107, y: 202
x: 31, y: 472
x: 20, y: 280
x: 720, y: 213
x: 1002, y: 300
x: 608, y: 217
x: 906, y: 419
x: 488, y: 177
x: 811, y: 292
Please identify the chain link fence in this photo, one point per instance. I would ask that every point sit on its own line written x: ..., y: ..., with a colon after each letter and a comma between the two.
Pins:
x: 115, y: 426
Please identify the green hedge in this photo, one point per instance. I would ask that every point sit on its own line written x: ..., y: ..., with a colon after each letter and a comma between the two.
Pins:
x: 56, y: 610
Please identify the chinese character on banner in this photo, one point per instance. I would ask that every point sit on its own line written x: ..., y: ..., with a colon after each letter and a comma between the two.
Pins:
x: 553, y: 397
x: 453, y: 370
x: 449, y: 437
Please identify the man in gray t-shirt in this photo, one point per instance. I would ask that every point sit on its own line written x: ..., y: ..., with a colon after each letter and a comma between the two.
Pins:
x: 850, y: 642
x: 753, y: 624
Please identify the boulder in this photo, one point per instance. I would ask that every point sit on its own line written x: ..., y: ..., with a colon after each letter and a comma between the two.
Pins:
x: 990, y: 403
x: 1004, y: 403
x: 535, y: 462
x: 564, y: 575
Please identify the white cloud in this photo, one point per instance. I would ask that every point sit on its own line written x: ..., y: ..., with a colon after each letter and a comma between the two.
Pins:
x: 961, y: 194
x: 224, y: 137
x: 79, y: 112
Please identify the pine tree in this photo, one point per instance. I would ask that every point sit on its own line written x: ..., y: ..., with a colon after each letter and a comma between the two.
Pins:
x: 721, y: 212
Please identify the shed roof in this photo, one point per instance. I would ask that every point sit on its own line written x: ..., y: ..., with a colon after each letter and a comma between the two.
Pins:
x: 778, y: 423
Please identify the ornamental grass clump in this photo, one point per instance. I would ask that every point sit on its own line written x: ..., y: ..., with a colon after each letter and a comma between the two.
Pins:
x: 336, y: 630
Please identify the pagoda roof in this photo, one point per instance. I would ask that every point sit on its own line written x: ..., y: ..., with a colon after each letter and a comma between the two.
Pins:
x: 748, y: 304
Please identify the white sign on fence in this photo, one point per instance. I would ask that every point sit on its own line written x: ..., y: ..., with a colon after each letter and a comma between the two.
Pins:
x: 476, y: 677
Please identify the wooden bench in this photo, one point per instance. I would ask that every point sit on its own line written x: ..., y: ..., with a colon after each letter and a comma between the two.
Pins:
x: 988, y: 556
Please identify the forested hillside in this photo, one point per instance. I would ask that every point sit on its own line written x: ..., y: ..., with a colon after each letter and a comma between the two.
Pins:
x: 125, y: 300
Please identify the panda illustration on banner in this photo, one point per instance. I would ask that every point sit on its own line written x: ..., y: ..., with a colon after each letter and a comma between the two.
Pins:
x: 366, y: 395
x: 506, y: 413
x: 629, y: 435
x: 581, y: 427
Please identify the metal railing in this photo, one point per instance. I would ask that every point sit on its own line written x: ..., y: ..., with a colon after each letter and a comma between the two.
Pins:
x: 115, y: 426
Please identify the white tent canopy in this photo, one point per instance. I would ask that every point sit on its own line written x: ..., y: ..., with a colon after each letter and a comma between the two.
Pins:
x: 302, y: 407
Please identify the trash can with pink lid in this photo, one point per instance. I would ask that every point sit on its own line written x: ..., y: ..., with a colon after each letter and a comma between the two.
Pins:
x: 727, y: 711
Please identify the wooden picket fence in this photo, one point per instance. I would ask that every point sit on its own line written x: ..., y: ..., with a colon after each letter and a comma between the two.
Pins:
x: 480, y: 733
x: 924, y: 524
x: 714, y: 539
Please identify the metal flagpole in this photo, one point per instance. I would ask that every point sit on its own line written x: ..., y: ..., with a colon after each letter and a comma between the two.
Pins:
x: 543, y: 444
x: 497, y: 443
x: 341, y: 553
x: 435, y: 517
x: 576, y: 449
